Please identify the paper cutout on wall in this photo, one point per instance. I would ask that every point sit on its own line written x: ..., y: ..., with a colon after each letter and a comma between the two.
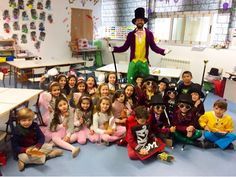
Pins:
x: 12, y: 3
x: 6, y: 15
x: 16, y: 26
x: 34, y: 14
x: 25, y: 16
x: 32, y: 26
x: 50, y: 19
x: 40, y: 5
x: 83, y: 2
x: 6, y: 27
x: 41, y: 26
x: 37, y: 45
x: 21, y: 4
x: 24, y: 28
x: 226, y: 6
x: 23, y: 39
x: 30, y: 4
x: 95, y: 2
x: 42, y: 16
x: 42, y: 36
x: 15, y: 37
x: 65, y: 19
x: 33, y: 35
x: 16, y: 13
x: 48, y: 5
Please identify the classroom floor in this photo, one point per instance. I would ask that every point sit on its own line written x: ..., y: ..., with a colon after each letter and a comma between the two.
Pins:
x: 100, y: 160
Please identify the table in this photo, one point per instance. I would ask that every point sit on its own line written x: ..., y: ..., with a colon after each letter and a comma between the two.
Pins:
x: 231, y: 74
x: 155, y: 71
x: 30, y: 64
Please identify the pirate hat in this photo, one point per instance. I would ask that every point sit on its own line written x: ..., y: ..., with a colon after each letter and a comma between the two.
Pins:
x: 140, y: 13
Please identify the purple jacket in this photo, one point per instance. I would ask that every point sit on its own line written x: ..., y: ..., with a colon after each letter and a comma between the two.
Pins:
x: 130, y: 42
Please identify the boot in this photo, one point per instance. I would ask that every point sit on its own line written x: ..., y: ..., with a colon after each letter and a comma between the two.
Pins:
x: 208, y: 144
x: 75, y: 152
x: 230, y: 146
x: 199, y: 143
x: 21, y: 165
x: 55, y: 153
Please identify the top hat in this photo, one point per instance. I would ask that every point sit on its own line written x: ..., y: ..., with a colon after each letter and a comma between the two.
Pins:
x: 139, y: 13
x: 150, y: 78
x: 172, y: 87
x: 156, y: 99
x: 165, y: 80
x: 185, y: 98
x: 198, y: 89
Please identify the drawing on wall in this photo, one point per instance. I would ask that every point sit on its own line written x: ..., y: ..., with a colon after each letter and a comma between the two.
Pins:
x: 50, y: 19
x: 37, y: 45
x: 41, y: 26
x: 6, y: 15
x: 25, y: 16
x: 40, y: 6
x: 6, y: 27
x: 32, y: 26
x: 83, y: 2
x: 15, y: 37
x: 30, y: 4
x: 33, y: 35
x: 21, y: 4
x: 16, y: 13
x: 16, y: 26
x: 34, y: 14
x: 12, y: 3
x: 23, y: 39
x: 95, y: 2
x: 42, y: 16
x: 24, y: 28
x: 48, y: 5
x: 42, y: 36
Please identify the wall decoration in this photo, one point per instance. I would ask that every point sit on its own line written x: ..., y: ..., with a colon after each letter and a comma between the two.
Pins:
x: 24, y: 28
x: 21, y: 4
x: 42, y: 16
x: 6, y: 15
x: 12, y: 3
x: 32, y: 26
x: 16, y: 26
x: 83, y: 2
x: 41, y: 27
x: 50, y: 19
x: 15, y: 37
x: 6, y: 27
x: 25, y: 16
x: 65, y: 19
x: 40, y: 6
x: 95, y: 2
x: 16, y: 13
x: 42, y: 36
x: 30, y: 4
x: 71, y: 1
x: 37, y: 45
x: 34, y: 14
x: 23, y: 39
x: 225, y: 6
x: 48, y: 5
x: 33, y: 35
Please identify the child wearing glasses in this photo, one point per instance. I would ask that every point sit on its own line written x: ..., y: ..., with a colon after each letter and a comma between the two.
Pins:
x: 218, y: 127
x: 163, y: 85
x: 186, y: 83
x: 185, y: 122
x: 150, y: 87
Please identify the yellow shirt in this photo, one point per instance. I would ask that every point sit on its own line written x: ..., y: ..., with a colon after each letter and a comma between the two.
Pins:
x: 140, y: 47
x: 214, y: 123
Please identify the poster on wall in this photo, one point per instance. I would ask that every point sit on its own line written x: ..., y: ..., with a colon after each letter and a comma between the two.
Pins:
x: 48, y: 5
x: 24, y: 28
x: 23, y: 39
x: 30, y: 4
x: 33, y: 35
x: 25, y: 16
x: 42, y: 16
x: 16, y: 13
x: 15, y: 37
x: 40, y: 6
x: 37, y: 45
x: 21, y: 4
x: 42, y: 36
x: 41, y: 26
x: 16, y: 26
x: 12, y: 3
x: 6, y: 27
x: 34, y: 14
x: 6, y: 15
x: 32, y: 26
x: 50, y: 19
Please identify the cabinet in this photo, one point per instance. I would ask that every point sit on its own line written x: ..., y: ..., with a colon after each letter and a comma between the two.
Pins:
x: 229, y: 93
x: 7, y: 47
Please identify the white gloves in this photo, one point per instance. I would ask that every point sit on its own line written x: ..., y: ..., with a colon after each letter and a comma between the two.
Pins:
x: 167, y: 51
x: 110, y: 49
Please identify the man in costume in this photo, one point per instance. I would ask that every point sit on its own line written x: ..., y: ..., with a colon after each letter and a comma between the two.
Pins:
x: 139, y: 41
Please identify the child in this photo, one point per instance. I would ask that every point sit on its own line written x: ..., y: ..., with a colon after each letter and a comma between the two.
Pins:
x: 28, y: 141
x: 62, y: 80
x: 218, y: 127
x: 81, y: 89
x: 111, y: 80
x: 103, y: 90
x: 103, y: 122
x: 142, y: 143
x: 186, y: 84
x: 91, y: 86
x: 131, y: 100
x: 162, y: 86
x: 83, y: 119
x: 197, y: 94
x: 70, y: 87
x: 139, y: 91
x: 149, y: 88
x: 62, y: 126
x: 185, y: 122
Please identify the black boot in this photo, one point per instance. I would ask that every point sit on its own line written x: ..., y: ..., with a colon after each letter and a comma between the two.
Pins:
x: 230, y: 146
x: 198, y: 143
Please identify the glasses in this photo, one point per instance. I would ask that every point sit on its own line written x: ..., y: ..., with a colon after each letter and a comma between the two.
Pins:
x: 187, y: 106
x: 169, y: 92
x: 149, y: 83
x: 159, y: 106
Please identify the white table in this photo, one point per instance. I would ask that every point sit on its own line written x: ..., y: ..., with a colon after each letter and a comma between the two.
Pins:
x: 6, y: 107
x: 2, y: 89
x: 156, y: 71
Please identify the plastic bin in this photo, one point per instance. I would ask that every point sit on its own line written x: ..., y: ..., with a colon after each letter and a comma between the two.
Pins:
x: 10, y: 58
x: 2, y: 59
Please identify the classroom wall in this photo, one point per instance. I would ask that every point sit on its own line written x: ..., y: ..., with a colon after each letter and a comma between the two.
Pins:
x: 57, y: 33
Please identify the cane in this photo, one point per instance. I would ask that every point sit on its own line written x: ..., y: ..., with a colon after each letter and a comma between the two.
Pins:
x: 168, y: 121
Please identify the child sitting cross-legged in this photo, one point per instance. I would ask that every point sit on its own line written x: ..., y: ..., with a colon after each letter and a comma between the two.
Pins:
x: 28, y: 141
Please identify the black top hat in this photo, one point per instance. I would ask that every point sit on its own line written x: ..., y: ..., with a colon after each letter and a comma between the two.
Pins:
x: 198, y: 89
x: 165, y: 80
x: 156, y: 99
x: 139, y: 13
x: 150, y: 78
x: 172, y: 87
x: 185, y: 98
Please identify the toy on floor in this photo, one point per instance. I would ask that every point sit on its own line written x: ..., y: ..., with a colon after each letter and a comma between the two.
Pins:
x: 164, y: 156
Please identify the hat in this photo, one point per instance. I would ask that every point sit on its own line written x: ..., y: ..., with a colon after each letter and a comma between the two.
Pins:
x: 139, y: 13
x: 172, y: 87
x: 165, y: 80
x: 198, y: 89
x: 156, y: 99
x: 150, y: 78
x: 185, y: 98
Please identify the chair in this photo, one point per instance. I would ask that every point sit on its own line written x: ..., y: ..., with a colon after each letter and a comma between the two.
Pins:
x: 36, y: 75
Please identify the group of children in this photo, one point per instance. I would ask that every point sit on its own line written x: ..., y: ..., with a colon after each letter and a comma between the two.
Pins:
x: 145, y: 117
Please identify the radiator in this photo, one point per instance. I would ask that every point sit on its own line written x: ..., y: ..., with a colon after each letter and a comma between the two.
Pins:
x: 175, y: 63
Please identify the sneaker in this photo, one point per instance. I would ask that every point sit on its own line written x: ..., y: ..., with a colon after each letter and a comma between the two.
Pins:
x: 55, y: 153
x: 164, y: 156
x: 21, y: 165
x: 230, y: 146
x: 75, y: 152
